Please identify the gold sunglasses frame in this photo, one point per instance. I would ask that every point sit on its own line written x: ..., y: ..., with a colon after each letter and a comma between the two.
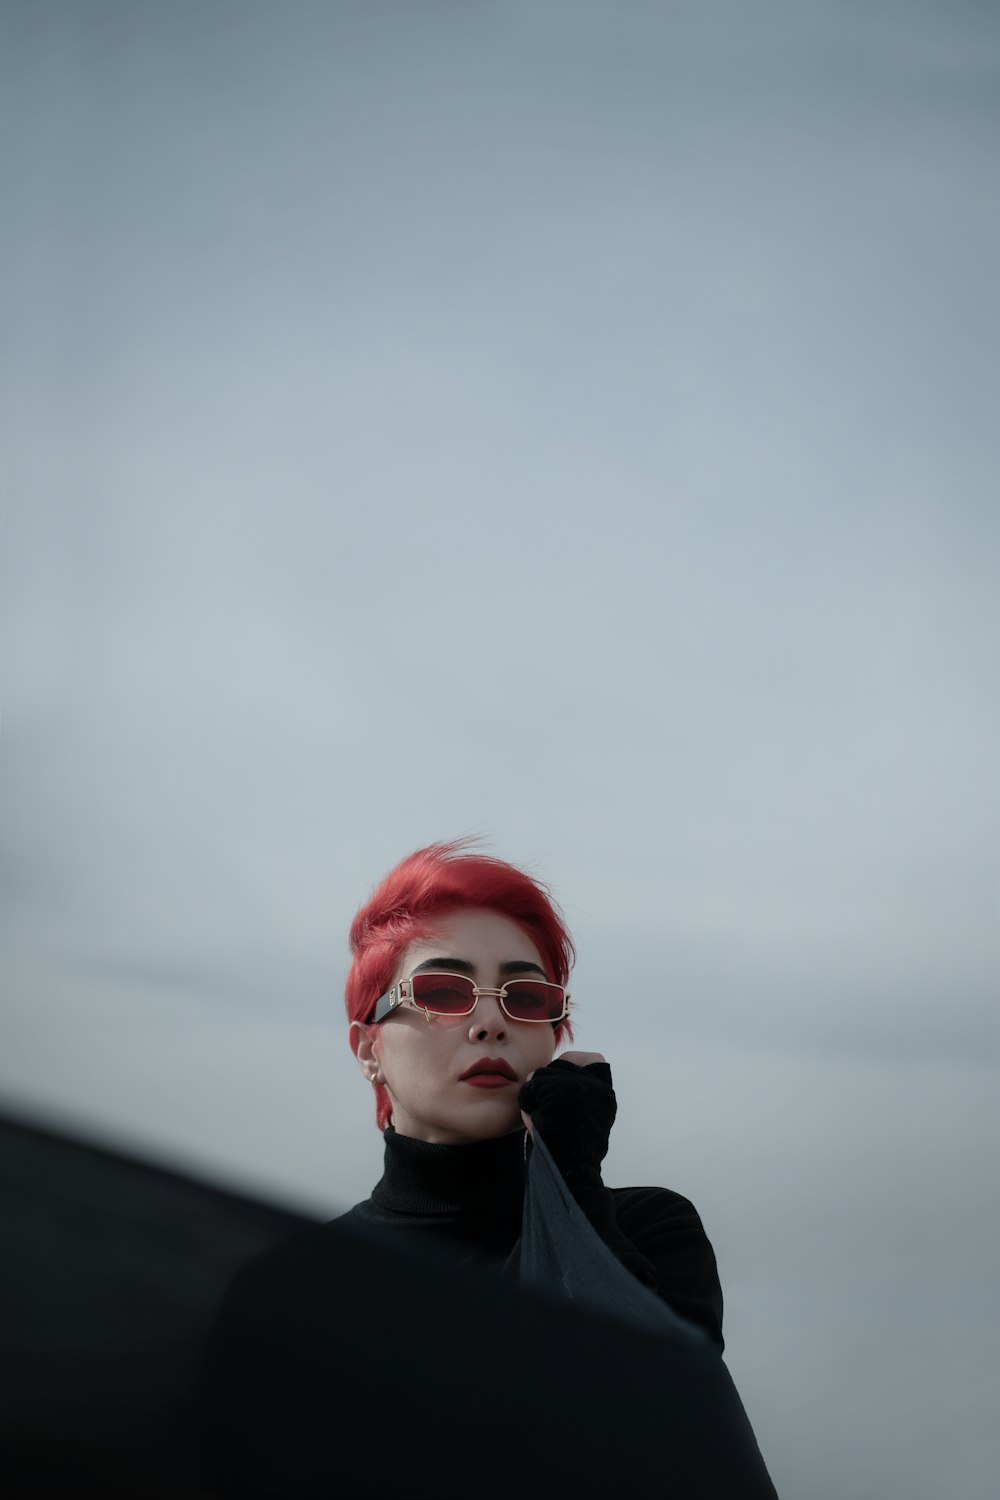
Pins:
x: 401, y: 995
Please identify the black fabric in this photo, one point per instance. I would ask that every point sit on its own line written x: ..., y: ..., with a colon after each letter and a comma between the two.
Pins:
x: 471, y: 1197
x: 381, y: 1356
x: 561, y: 1255
x: 573, y: 1109
x: 454, y: 1335
x: 111, y: 1274
x: 387, y: 1361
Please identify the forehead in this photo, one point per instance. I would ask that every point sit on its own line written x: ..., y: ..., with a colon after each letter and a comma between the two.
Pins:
x: 479, y: 936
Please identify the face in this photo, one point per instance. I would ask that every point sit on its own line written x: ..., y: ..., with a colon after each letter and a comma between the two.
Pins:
x: 422, y: 1059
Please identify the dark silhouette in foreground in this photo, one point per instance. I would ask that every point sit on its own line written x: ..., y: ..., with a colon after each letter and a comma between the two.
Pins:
x: 111, y: 1272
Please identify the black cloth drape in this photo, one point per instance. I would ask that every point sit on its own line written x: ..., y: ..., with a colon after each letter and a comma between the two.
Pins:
x: 111, y: 1273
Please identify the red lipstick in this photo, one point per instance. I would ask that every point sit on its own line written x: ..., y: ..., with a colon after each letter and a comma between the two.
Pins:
x: 489, y: 1073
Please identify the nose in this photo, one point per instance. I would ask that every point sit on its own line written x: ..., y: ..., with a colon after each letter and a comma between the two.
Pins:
x: 487, y: 1020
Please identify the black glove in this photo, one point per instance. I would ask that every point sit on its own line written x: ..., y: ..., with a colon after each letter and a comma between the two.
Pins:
x: 573, y: 1110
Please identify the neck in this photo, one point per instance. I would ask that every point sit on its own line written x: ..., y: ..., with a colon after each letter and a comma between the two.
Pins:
x: 424, y: 1178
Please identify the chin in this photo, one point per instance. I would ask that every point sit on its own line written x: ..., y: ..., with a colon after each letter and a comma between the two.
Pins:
x: 484, y: 1129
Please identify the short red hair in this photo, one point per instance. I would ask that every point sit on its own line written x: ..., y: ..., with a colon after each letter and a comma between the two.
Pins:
x: 422, y: 888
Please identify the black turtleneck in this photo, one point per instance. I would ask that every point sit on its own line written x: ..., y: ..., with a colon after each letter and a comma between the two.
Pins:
x: 430, y: 1181
x: 349, y: 1361
x: 472, y: 1196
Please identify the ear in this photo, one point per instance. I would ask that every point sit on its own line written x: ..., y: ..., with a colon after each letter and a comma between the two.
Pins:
x: 363, y: 1039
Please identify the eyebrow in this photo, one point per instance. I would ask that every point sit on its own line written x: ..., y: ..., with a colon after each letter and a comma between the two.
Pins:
x: 463, y: 966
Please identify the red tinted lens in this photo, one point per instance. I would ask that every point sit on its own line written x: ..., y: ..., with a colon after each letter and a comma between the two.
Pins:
x: 532, y: 1000
x: 445, y: 994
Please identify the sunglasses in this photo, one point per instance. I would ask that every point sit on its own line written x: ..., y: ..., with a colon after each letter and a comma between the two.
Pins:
x: 455, y: 995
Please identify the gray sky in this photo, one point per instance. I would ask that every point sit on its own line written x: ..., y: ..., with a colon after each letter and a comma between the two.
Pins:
x: 573, y: 424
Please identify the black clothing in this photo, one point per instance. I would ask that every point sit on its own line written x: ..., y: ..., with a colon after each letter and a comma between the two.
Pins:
x: 111, y: 1273
x: 457, y: 1335
x: 387, y: 1354
x: 472, y: 1197
x: 573, y: 1109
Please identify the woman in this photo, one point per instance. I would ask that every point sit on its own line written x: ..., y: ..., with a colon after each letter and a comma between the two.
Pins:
x: 449, y: 930
x: 393, y: 1351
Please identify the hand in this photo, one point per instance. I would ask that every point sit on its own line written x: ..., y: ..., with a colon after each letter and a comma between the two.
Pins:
x: 572, y: 1101
x: 579, y: 1060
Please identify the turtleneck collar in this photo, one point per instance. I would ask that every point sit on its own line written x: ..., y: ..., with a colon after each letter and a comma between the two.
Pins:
x: 420, y: 1178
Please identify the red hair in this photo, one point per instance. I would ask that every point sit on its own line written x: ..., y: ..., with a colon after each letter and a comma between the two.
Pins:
x: 423, y: 887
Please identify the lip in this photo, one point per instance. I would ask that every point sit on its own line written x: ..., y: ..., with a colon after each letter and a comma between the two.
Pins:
x: 489, y: 1072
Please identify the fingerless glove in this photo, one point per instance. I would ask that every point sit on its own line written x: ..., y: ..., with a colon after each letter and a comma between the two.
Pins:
x: 573, y: 1110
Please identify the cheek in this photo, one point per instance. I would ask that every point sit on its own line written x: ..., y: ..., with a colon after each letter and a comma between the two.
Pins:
x: 412, y: 1055
x: 542, y: 1046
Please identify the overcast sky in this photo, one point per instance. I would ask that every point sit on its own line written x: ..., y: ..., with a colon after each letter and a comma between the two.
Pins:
x: 573, y: 424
